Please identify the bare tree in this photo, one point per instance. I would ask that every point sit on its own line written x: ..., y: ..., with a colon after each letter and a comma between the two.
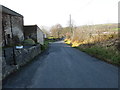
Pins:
x: 46, y: 32
x: 56, y: 31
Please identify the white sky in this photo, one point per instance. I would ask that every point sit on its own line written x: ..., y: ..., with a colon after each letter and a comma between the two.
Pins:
x: 51, y: 12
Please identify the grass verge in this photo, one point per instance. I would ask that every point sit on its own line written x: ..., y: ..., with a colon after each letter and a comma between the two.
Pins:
x: 107, y: 54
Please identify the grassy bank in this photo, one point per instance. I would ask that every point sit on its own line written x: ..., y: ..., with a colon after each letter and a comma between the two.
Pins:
x: 106, y: 50
x: 107, y: 54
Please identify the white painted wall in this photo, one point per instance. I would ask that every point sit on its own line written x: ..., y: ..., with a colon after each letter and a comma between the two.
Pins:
x: 40, y: 36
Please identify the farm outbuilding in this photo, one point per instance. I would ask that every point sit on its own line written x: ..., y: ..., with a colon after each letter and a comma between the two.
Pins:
x: 12, y: 27
x: 35, y: 33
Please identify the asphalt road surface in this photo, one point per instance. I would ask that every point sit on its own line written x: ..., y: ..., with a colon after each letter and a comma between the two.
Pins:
x: 64, y: 67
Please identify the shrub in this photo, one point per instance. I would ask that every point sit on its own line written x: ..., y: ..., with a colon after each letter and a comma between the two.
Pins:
x: 29, y: 42
x: 45, y: 46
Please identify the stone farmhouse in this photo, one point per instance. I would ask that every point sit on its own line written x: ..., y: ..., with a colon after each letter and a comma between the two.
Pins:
x: 13, y: 33
x: 35, y: 33
x: 12, y: 27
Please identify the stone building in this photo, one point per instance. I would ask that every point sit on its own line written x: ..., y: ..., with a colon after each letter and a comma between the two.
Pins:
x: 12, y: 27
x: 35, y: 33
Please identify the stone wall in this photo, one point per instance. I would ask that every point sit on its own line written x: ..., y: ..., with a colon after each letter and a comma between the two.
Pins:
x: 22, y: 57
x: 12, y: 25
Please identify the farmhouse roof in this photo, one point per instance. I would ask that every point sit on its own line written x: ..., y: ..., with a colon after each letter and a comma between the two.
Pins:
x: 30, y: 26
x: 9, y: 11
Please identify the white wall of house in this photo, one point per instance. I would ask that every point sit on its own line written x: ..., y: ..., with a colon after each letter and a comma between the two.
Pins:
x: 40, y: 36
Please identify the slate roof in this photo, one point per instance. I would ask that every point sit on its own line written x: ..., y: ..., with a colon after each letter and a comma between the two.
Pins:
x: 29, y: 27
x: 9, y: 11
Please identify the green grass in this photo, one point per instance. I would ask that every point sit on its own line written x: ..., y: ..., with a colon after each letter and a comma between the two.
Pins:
x: 116, y: 29
x: 50, y: 37
x: 107, y: 54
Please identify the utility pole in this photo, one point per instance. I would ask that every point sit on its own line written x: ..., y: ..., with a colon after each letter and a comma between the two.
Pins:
x: 70, y: 24
x: 71, y: 27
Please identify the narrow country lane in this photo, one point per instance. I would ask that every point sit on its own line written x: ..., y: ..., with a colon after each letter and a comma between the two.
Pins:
x: 64, y: 67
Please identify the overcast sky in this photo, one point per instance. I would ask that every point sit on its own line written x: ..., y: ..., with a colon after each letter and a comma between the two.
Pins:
x: 51, y: 12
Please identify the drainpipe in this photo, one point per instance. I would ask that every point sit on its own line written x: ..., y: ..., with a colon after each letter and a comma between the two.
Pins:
x: 4, y: 38
x: 13, y: 41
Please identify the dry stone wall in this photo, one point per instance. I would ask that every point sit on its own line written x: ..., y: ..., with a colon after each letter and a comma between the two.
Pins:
x: 22, y: 57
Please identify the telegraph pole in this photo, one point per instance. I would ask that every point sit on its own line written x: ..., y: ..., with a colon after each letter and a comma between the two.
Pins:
x: 71, y: 27
x: 70, y: 24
